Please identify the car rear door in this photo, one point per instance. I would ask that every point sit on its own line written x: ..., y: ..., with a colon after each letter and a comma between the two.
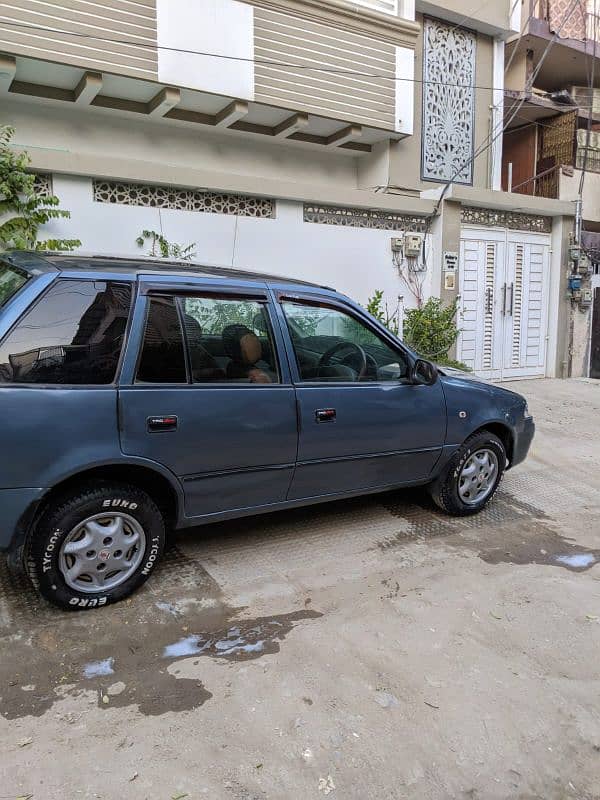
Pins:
x: 355, y: 431
x: 229, y: 433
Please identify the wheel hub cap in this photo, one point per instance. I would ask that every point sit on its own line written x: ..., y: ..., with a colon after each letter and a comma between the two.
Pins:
x: 102, y: 552
x: 478, y: 476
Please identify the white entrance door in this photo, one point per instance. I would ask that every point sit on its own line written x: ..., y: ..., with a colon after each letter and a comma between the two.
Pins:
x: 503, y: 284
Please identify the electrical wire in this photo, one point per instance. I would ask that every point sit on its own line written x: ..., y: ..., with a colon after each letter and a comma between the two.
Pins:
x: 262, y: 62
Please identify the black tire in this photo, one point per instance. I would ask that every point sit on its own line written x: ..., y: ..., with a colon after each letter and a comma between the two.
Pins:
x: 65, y: 513
x: 444, y: 490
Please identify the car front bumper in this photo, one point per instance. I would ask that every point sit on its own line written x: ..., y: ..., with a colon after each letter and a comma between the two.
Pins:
x: 523, y: 438
x: 17, y: 507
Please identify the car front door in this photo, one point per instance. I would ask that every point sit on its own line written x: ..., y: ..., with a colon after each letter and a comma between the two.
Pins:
x: 208, y: 396
x: 362, y: 423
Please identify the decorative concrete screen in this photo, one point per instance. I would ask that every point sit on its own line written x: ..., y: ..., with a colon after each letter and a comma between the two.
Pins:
x: 43, y: 184
x: 364, y: 218
x: 448, y: 102
x: 139, y: 194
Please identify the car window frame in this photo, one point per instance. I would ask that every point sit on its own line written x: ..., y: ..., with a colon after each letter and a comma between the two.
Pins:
x: 334, y: 304
x: 142, y: 339
x: 60, y: 278
x: 183, y: 290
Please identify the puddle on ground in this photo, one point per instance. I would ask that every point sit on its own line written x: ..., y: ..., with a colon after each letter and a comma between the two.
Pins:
x: 543, y: 546
x: 526, y: 535
x: 124, y: 653
x: 97, y: 668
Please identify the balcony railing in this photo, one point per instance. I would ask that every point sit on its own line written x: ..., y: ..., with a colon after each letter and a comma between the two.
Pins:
x: 546, y: 184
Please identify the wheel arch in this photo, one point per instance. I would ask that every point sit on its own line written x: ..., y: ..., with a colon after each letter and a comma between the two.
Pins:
x: 164, y: 490
x: 504, y: 433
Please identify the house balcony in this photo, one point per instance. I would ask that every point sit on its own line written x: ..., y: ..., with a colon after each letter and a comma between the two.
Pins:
x: 574, y: 42
x: 327, y: 74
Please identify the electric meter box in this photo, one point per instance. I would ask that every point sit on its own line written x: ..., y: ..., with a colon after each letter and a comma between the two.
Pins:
x: 413, y: 244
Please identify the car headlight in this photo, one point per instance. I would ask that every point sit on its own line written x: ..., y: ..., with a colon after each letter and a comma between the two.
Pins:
x: 526, y: 411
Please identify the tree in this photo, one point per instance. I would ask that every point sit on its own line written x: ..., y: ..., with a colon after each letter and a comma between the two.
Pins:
x: 22, y: 210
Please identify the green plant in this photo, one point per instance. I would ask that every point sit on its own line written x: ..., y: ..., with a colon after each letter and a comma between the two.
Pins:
x: 22, y: 210
x: 160, y: 246
x: 431, y: 330
x: 379, y: 309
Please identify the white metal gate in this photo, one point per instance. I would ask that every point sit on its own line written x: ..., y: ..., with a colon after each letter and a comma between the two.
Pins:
x: 503, y: 284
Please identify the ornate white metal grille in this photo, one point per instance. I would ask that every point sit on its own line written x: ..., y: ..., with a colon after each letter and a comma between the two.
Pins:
x: 139, y: 194
x: 448, y: 102
x: 488, y: 324
x: 364, y: 218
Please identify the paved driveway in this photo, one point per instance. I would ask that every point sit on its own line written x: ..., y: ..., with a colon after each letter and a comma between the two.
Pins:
x: 367, y: 649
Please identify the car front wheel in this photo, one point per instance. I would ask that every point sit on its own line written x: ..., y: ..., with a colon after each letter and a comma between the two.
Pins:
x: 472, y: 477
x: 95, y: 545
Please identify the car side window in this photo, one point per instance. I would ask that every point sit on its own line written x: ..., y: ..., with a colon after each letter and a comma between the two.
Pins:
x: 229, y: 340
x: 73, y: 335
x: 332, y: 345
x: 162, y: 358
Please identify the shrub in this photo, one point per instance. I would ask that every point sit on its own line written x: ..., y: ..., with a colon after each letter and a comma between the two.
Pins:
x: 429, y: 330
x: 22, y: 210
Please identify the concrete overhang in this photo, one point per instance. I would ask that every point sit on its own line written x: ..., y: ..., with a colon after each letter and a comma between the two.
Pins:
x: 534, y: 108
x: 49, y: 82
x: 492, y: 19
x: 155, y: 172
x: 566, y: 62
x: 504, y: 201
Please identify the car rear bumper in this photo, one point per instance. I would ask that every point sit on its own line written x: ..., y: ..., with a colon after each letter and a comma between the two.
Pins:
x: 523, y: 438
x: 17, y: 507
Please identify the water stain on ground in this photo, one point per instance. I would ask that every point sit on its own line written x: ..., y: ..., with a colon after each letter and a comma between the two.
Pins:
x: 527, y: 536
x: 124, y: 654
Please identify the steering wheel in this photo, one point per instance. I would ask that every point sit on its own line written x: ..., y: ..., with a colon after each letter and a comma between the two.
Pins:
x: 325, y: 359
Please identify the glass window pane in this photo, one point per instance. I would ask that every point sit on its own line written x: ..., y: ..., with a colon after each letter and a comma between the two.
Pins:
x: 11, y: 280
x: 162, y: 359
x: 331, y: 345
x: 229, y: 340
x: 73, y: 335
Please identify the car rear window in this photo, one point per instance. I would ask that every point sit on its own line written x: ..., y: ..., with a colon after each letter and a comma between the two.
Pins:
x: 11, y: 280
x: 73, y: 335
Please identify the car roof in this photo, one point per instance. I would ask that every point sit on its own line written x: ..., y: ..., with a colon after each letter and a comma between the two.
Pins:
x: 38, y: 262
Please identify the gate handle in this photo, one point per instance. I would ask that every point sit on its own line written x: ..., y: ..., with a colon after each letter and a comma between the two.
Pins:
x: 504, y: 287
x: 512, y: 298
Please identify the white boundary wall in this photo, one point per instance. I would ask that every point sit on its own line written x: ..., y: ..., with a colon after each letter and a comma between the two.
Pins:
x: 356, y: 261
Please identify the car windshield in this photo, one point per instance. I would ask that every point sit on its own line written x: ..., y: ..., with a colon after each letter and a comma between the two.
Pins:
x: 11, y: 280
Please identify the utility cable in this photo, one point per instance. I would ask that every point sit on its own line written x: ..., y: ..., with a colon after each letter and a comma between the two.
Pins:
x: 262, y: 62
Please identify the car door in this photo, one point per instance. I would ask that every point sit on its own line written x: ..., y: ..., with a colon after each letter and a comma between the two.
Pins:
x: 362, y: 423
x: 209, y: 397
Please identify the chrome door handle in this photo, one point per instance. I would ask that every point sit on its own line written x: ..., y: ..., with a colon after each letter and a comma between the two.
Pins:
x: 512, y: 298
x: 504, y: 287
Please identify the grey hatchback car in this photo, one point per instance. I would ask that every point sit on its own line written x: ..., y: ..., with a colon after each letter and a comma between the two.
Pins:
x: 141, y: 396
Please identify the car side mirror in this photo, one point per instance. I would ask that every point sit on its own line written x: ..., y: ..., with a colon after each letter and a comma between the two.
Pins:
x: 423, y: 373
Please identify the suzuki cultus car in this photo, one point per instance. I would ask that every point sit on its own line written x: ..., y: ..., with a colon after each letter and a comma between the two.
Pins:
x: 137, y: 397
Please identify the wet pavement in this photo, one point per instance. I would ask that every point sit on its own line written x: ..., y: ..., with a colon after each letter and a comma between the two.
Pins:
x: 370, y: 648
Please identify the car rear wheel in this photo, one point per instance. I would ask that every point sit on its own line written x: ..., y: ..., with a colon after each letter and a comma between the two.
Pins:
x: 95, y: 545
x: 472, y: 477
